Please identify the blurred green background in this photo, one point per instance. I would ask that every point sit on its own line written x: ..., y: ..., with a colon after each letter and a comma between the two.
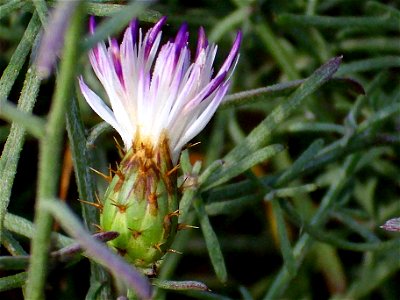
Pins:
x: 303, y: 224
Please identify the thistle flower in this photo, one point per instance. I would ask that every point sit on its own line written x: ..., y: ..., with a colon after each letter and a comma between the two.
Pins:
x: 160, y: 100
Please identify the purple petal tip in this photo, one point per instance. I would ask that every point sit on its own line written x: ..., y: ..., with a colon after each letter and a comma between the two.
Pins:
x: 202, y: 41
x: 134, y: 27
x: 233, y: 54
x: 157, y: 27
x: 114, y: 45
x: 92, y: 24
x: 238, y: 41
x: 181, y: 37
x: 152, y: 34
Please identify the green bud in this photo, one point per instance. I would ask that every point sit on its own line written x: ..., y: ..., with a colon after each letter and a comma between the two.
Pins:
x: 141, y: 204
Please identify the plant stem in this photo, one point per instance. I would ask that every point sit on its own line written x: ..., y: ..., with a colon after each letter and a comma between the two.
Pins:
x: 50, y: 151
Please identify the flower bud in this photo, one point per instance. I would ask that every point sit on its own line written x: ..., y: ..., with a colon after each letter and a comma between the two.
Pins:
x: 160, y: 98
x: 141, y: 203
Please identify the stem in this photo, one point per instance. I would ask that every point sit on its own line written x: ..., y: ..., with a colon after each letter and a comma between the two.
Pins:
x: 50, y: 150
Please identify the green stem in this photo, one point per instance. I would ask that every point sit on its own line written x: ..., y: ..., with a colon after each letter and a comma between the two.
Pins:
x: 50, y: 151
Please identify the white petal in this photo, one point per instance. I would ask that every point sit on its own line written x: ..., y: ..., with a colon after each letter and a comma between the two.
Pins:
x: 200, y: 122
x: 98, y: 105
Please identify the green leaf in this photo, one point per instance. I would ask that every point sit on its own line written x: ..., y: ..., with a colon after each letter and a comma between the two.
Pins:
x: 32, y: 124
x: 228, y: 22
x: 11, y: 244
x: 12, y: 149
x: 269, y: 92
x: 369, y: 64
x: 226, y: 172
x: 213, y: 246
x: 82, y: 162
x: 260, y: 134
x: 234, y: 206
x: 380, y: 22
x: 179, y: 285
x: 13, y: 281
x: 27, y: 229
x: 8, y: 8
x: 299, y: 165
x: 290, y: 191
x: 286, y: 249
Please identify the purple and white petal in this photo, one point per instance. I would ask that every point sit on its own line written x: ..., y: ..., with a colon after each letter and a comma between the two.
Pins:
x: 157, y: 90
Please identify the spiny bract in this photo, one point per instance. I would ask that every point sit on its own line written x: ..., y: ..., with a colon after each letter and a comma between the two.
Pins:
x: 141, y: 204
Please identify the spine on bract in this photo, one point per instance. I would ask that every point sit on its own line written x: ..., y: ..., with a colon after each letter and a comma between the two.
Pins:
x: 141, y: 203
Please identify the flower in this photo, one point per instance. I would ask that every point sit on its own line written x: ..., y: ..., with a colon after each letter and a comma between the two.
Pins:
x: 160, y: 100
x: 153, y: 92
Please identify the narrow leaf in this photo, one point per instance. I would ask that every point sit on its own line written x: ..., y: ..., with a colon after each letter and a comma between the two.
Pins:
x: 260, y: 134
x: 32, y: 124
x: 299, y: 164
x: 213, y: 246
x: 179, y: 285
x: 13, y: 281
x: 232, y: 170
x: 285, y: 247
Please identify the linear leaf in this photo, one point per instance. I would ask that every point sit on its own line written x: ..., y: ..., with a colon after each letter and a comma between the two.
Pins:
x: 213, y: 246
x: 230, y: 171
x: 285, y: 247
x: 259, y: 135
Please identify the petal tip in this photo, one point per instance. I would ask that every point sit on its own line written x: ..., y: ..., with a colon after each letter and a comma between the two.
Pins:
x: 92, y: 24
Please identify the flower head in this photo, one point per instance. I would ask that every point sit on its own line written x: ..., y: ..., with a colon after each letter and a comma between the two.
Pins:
x: 156, y: 93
